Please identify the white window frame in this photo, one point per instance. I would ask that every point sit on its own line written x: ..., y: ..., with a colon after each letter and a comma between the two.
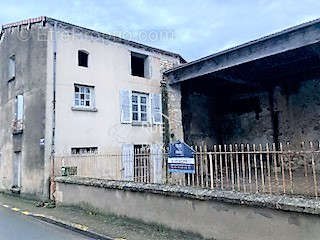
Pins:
x: 139, y: 105
x: 87, y: 92
x: 84, y: 150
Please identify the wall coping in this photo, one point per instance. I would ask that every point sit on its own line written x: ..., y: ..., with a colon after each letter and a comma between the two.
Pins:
x: 285, y: 203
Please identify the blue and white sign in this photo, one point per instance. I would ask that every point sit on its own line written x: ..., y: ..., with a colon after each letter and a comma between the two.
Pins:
x: 181, y: 158
x: 42, y: 142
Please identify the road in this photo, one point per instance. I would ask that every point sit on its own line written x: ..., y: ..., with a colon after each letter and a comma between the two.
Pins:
x: 15, y: 226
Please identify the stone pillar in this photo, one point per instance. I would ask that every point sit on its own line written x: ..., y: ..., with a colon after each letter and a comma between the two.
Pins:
x: 171, y: 99
x: 173, y: 129
x: 175, y: 112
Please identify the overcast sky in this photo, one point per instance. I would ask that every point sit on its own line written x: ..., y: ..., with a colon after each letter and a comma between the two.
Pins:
x: 192, y: 28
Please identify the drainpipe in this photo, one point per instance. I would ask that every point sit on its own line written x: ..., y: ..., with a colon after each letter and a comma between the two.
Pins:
x: 52, y: 184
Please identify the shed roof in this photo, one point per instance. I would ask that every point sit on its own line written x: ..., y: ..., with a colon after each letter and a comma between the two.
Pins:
x: 286, y: 40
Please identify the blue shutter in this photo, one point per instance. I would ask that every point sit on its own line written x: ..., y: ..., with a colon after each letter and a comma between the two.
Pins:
x: 156, y: 159
x: 156, y: 108
x: 20, y: 107
x: 12, y: 67
x: 127, y: 162
x: 125, y: 106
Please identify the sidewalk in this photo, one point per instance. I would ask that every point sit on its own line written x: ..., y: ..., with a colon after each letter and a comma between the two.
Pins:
x: 111, y: 226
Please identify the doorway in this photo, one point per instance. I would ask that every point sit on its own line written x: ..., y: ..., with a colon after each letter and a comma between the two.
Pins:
x: 16, y: 170
x: 142, y: 163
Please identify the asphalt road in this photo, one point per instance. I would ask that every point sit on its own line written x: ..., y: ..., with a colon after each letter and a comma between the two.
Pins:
x: 15, y: 226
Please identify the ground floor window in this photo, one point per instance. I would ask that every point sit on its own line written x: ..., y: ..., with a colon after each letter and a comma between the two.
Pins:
x: 84, y: 150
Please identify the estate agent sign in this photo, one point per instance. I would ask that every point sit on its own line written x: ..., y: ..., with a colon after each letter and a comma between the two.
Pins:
x: 181, y: 158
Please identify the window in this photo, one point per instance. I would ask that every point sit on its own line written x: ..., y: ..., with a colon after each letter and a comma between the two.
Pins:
x: 18, y: 115
x: 139, y: 65
x: 83, y: 96
x: 84, y: 150
x: 12, y: 67
x: 83, y: 58
x: 139, y: 107
x: 19, y: 108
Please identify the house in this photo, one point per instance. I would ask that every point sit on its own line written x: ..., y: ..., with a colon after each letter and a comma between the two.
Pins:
x: 263, y: 91
x: 66, y: 89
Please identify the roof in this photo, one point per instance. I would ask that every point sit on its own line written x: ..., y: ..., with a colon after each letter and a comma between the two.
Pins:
x: 285, y: 31
x: 109, y: 37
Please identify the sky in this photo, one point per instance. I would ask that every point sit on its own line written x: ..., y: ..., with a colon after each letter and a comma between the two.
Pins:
x: 191, y: 28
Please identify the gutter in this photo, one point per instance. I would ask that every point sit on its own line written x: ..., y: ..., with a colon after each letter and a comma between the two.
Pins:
x: 52, y: 185
x: 54, y: 88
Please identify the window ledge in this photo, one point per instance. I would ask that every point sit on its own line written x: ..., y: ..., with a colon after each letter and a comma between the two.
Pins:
x: 139, y: 77
x: 17, y: 132
x: 11, y: 79
x: 142, y: 124
x: 84, y: 109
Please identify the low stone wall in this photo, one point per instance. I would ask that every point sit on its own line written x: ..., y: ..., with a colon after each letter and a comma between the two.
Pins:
x: 213, y: 214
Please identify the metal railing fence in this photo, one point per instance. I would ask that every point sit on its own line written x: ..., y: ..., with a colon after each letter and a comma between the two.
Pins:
x: 269, y: 168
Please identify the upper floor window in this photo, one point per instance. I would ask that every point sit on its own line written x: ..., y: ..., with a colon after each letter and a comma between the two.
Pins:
x: 12, y: 67
x: 136, y: 107
x: 19, y: 108
x: 140, y: 65
x: 140, y: 107
x: 83, y: 96
x: 83, y: 58
x: 18, y: 114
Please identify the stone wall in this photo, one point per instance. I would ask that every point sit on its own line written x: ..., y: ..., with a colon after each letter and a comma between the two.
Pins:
x: 213, y: 214
x: 171, y: 95
x: 222, y: 120
x: 29, y: 46
x: 299, y: 111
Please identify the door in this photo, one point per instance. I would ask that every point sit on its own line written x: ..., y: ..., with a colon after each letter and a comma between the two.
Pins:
x: 17, y: 170
x: 142, y: 163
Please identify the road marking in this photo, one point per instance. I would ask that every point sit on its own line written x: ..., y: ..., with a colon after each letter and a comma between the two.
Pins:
x: 81, y: 227
x: 25, y: 213
x: 38, y: 215
x: 16, y: 209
